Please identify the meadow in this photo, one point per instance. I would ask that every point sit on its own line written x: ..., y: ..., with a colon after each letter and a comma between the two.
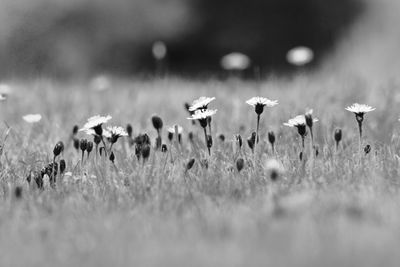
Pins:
x: 338, y: 211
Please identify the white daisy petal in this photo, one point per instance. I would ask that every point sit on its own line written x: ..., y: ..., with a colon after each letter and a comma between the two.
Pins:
x: 95, y: 121
x: 202, y: 114
x: 201, y: 103
x: 257, y: 100
x: 360, y: 108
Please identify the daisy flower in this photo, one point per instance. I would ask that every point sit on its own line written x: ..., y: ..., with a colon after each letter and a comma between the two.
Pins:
x: 95, y: 123
x: 115, y: 132
x: 32, y: 118
x: 300, y: 123
x: 359, y: 110
x: 259, y: 103
x: 201, y: 103
x: 203, y: 114
x: 204, y: 117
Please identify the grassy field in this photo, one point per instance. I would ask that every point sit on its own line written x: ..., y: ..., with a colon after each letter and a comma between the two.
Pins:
x: 338, y: 213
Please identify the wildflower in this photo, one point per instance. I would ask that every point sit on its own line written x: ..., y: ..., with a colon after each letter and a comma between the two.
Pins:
x: 190, y: 164
x: 32, y: 118
x: 259, y: 103
x: 145, y: 151
x: 157, y: 122
x: 271, y: 139
x: 251, y: 141
x: 367, y: 149
x: 201, y: 103
x: 129, y: 130
x: 360, y: 110
x: 115, y: 132
x: 83, y: 146
x: 112, y: 157
x: 96, y: 123
x: 338, y: 137
x: 75, y: 130
x: 239, y: 164
x: 76, y: 143
x: 202, y: 116
x: 58, y: 149
x: 274, y: 169
x: 300, y: 123
x: 89, y: 147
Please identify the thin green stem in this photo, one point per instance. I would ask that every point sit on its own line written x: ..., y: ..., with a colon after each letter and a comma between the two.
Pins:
x: 258, y: 126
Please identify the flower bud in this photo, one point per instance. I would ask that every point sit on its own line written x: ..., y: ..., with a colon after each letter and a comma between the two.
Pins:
x: 76, y: 143
x: 59, y: 147
x: 338, y: 135
x: 157, y: 122
x: 83, y: 144
x: 190, y: 164
x: 239, y: 164
x: 145, y: 151
x: 170, y: 136
x: 367, y: 149
x: 112, y: 157
x: 75, y: 130
x: 271, y: 137
x: 129, y: 130
x: 89, y: 147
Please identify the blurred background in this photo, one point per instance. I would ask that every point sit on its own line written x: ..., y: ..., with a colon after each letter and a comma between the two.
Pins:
x: 189, y: 37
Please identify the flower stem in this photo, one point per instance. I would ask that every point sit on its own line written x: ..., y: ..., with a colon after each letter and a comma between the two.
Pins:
x: 258, y: 125
x: 104, y: 143
x: 205, y: 139
x: 360, y: 140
